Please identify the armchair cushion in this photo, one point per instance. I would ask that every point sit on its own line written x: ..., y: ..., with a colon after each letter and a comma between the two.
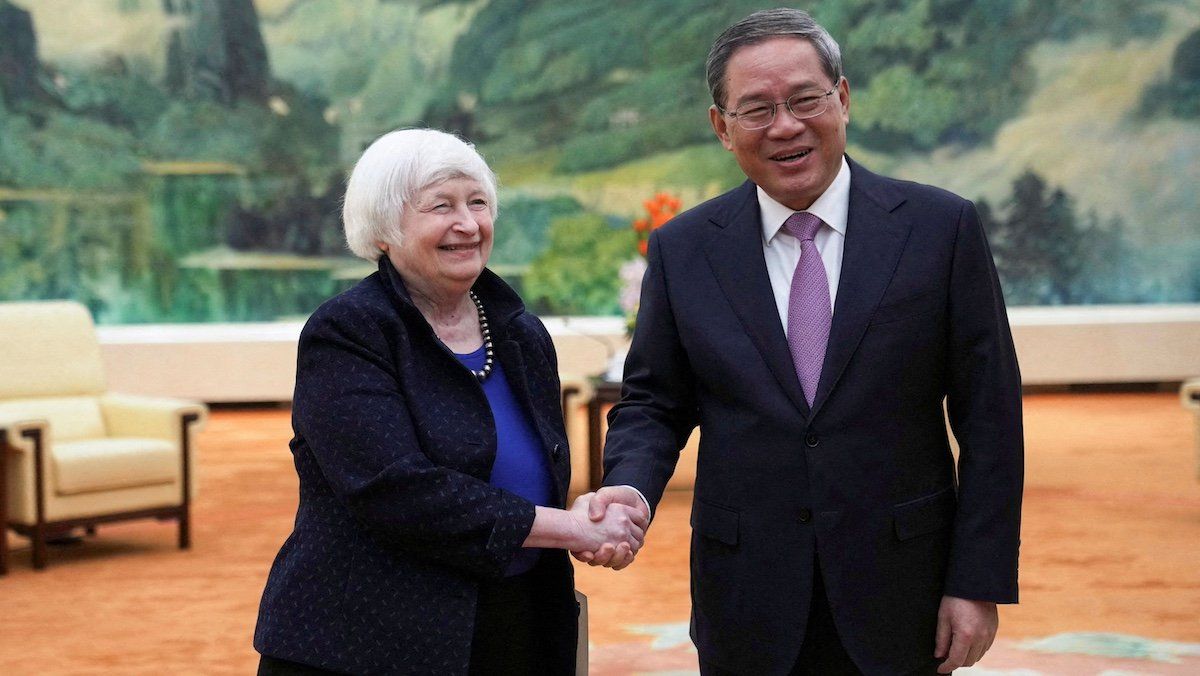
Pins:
x: 50, y: 349
x: 107, y: 464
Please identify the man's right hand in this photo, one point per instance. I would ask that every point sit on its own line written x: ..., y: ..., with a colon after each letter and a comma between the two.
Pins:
x: 598, y: 507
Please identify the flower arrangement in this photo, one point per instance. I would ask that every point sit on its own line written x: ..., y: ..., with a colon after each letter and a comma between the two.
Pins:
x: 659, y: 209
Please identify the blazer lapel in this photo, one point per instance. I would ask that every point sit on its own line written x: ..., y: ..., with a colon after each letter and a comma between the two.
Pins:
x: 734, y: 252
x: 875, y: 238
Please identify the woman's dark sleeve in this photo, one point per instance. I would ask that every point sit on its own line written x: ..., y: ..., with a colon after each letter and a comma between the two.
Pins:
x: 350, y: 411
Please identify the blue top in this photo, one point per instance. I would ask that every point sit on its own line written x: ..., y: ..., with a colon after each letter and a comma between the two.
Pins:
x: 521, y: 465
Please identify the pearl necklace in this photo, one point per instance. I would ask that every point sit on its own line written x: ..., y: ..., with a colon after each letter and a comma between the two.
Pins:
x: 486, y: 371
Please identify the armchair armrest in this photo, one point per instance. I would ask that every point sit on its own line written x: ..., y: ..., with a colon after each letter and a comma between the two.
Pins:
x: 14, y: 428
x: 1189, y: 394
x: 27, y: 482
x: 577, y: 387
x: 158, y: 417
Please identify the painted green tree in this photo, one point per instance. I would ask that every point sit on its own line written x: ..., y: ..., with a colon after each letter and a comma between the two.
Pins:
x: 1049, y: 254
x: 577, y: 273
x: 1179, y: 94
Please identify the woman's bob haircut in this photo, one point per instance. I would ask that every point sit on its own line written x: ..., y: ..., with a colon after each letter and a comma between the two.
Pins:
x: 392, y: 170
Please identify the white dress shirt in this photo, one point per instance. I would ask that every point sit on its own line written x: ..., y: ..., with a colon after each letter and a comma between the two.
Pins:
x: 782, y: 251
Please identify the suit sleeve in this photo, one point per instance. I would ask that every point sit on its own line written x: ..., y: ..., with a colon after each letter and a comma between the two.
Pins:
x: 984, y: 405
x: 658, y: 409
x: 349, y: 410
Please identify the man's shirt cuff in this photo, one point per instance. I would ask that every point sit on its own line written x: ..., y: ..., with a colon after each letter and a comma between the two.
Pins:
x: 644, y: 500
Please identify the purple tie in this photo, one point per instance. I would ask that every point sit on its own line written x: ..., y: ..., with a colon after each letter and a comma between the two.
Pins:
x: 809, y: 309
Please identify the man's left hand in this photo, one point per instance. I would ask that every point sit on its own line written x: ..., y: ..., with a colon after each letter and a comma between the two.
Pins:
x: 965, y: 631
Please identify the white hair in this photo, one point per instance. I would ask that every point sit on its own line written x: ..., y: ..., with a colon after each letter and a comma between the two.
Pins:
x: 392, y: 170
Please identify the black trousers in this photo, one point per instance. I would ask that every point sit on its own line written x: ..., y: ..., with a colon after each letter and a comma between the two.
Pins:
x: 822, y: 653
x: 525, y: 625
x: 273, y: 666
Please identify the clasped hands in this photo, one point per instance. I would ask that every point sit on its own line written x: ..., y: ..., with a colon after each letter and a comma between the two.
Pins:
x: 613, y: 520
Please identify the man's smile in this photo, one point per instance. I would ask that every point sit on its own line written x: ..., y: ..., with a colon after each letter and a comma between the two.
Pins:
x: 791, y: 156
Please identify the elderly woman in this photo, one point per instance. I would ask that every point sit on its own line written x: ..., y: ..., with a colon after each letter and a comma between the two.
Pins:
x: 430, y: 447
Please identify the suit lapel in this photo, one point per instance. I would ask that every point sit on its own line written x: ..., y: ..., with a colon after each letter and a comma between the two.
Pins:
x: 734, y: 252
x: 875, y: 238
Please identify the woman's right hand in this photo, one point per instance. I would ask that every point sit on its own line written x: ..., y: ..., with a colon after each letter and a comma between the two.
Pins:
x: 618, y: 532
x: 614, y: 539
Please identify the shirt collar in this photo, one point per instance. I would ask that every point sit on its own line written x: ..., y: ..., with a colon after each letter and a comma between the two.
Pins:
x: 831, y: 207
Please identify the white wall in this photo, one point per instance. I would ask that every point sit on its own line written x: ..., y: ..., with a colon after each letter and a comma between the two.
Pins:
x: 256, y: 362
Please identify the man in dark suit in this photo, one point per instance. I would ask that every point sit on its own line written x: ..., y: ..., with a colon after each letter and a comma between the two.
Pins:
x: 812, y: 322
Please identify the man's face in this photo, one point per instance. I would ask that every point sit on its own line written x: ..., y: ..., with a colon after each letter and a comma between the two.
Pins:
x: 794, y: 161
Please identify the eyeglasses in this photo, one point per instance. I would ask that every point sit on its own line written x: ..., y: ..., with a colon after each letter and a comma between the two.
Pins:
x: 753, y: 115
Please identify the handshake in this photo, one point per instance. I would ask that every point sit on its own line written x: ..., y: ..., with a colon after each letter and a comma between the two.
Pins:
x: 611, y: 526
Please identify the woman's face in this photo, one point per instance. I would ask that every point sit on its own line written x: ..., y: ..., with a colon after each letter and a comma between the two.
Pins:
x: 446, y: 237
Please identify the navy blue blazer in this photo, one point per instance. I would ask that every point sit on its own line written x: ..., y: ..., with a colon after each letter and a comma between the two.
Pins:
x: 865, y: 479
x: 394, y: 444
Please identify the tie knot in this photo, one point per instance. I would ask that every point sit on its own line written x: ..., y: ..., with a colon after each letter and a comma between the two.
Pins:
x: 803, y: 225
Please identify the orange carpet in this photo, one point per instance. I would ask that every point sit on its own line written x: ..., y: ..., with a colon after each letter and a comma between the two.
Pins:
x: 1110, y: 561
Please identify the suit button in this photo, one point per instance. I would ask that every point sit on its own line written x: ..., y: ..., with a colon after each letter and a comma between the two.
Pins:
x: 812, y: 441
x: 805, y: 515
x: 557, y: 453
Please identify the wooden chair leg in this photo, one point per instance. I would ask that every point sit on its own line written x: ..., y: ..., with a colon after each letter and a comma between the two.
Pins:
x: 185, y: 529
x: 185, y: 524
x: 39, y: 547
x: 3, y: 501
x: 39, y: 482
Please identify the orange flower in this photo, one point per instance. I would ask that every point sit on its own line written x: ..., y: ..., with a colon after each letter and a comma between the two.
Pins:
x: 659, y: 209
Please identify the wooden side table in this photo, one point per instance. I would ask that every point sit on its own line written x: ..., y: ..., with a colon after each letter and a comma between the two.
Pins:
x: 606, y: 394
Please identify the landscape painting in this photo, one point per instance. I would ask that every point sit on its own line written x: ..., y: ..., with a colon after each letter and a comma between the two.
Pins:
x: 169, y: 161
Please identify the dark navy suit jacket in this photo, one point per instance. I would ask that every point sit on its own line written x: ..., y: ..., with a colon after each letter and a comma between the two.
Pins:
x: 397, y: 524
x: 865, y: 479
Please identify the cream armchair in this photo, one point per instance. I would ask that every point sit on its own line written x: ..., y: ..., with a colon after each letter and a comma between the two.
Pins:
x: 75, y: 455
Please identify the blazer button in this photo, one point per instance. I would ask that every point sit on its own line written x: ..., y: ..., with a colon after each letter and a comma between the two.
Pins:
x: 812, y: 441
x: 557, y: 453
x: 805, y: 515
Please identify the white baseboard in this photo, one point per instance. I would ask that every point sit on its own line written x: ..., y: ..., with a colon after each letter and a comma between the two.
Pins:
x: 1107, y: 344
